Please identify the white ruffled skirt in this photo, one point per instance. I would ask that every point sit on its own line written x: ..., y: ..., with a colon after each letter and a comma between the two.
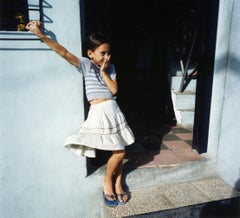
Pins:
x: 105, y: 129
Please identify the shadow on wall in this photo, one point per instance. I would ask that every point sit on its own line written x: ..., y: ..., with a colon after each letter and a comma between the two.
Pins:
x: 223, y: 62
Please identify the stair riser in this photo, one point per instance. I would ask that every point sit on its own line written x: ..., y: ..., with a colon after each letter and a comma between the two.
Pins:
x: 186, y: 119
x: 176, y: 82
x: 185, y: 101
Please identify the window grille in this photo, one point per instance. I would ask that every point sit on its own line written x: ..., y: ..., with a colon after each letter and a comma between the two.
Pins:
x: 15, y: 14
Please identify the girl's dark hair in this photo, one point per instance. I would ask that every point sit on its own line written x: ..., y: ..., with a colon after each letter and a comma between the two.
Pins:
x: 95, y: 40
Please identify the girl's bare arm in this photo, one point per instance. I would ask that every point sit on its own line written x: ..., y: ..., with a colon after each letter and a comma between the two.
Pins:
x: 35, y: 27
x: 111, y: 84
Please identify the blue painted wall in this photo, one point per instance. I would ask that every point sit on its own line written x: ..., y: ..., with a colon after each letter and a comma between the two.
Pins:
x: 224, y: 134
x: 41, y: 98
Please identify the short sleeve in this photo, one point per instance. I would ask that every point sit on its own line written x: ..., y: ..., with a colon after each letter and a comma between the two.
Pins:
x: 112, y: 72
x: 84, y: 65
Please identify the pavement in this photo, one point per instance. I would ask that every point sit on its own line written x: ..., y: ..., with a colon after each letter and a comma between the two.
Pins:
x: 209, y: 197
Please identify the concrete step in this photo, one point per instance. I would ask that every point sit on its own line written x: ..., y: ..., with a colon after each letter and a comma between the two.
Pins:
x: 184, y: 107
x: 149, y: 201
x: 226, y: 208
x: 176, y: 82
x: 185, y: 100
x: 186, y: 118
x: 206, y: 166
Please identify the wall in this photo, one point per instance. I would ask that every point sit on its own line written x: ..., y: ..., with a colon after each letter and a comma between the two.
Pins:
x: 41, y: 98
x: 224, y: 128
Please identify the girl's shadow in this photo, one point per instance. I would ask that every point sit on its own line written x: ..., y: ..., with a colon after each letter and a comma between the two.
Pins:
x: 148, y: 144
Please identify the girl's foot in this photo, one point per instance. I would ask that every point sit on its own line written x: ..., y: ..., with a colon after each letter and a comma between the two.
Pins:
x: 109, y: 196
x: 110, y: 200
x: 123, y: 198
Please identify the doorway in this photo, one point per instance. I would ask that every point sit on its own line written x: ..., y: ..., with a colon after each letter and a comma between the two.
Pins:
x: 146, y: 36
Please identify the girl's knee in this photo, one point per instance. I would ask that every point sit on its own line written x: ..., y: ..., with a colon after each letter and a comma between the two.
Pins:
x: 120, y: 154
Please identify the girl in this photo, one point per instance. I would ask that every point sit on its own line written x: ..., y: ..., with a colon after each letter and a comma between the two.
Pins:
x: 105, y: 127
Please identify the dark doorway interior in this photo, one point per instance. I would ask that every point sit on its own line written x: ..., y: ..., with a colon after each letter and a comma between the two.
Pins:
x: 146, y: 37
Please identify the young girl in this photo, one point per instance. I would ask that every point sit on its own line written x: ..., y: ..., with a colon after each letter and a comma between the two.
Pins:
x: 105, y: 127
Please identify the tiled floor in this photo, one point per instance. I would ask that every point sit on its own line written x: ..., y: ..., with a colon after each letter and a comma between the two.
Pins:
x: 157, y: 148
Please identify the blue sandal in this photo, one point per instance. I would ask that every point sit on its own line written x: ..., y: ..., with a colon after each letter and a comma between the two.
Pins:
x: 121, y: 196
x: 110, y: 200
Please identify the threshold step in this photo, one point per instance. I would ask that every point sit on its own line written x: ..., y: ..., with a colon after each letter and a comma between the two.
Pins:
x: 227, y: 208
x: 156, y: 200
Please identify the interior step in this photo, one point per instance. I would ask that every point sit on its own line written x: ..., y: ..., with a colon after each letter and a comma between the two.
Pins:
x: 165, y: 199
x: 184, y: 107
x: 176, y: 82
x: 186, y: 118
x: 185, y: 100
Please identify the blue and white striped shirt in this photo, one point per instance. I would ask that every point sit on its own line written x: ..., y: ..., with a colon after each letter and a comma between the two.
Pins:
x: 95, y: 86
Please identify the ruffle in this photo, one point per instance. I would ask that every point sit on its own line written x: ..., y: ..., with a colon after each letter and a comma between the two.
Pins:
x: 105, y: 129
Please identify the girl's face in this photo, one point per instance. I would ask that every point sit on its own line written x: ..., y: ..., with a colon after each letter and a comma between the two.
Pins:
x: 100, y: 54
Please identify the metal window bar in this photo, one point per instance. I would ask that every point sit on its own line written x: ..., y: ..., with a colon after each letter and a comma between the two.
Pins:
x: 19, y: 35
x: 184, y: 69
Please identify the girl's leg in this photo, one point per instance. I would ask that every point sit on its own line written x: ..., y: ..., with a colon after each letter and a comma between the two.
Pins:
x: 122, y: 195
x: 112, y: 167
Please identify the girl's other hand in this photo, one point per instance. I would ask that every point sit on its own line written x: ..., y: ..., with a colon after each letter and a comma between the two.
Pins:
x: 105, y: 64
x: 34, y: 26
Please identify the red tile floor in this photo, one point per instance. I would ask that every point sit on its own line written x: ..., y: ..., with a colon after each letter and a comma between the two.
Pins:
x: 157, y: 148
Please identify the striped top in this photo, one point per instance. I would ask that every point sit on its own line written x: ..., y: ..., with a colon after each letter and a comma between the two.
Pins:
x: 95, y: 86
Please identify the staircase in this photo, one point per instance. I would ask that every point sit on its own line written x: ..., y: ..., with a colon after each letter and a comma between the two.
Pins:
x: 183, y: 102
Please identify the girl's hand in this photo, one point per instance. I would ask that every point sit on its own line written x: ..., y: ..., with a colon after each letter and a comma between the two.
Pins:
x: 111, y: 84
x: 34, y: 26
x: 105, y: 64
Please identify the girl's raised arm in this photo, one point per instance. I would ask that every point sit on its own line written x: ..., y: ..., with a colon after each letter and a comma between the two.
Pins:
x: 35, y: 27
